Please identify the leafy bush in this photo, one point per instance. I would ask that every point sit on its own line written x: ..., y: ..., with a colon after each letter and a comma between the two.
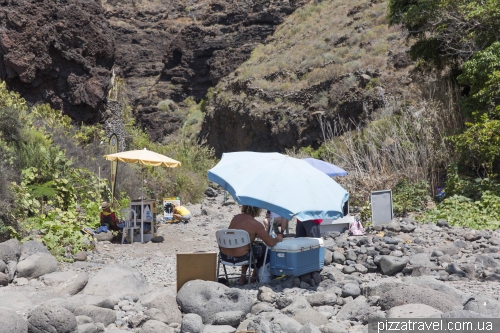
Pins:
x: 470, y: 187
x: 462, y: 211
x: 410, y: 197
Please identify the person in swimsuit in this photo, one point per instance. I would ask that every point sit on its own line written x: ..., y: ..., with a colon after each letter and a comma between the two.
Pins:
x: 246, y: 221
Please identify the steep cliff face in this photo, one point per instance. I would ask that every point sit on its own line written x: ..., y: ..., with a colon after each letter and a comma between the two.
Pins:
x: 57, y: 51
x: 176, y: 49
x: 328, y: 67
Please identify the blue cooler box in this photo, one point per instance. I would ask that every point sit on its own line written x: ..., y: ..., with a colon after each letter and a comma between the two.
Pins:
x: 297, y: 256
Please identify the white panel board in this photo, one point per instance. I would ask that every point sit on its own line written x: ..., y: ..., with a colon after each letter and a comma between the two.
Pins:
x: 381, y: 204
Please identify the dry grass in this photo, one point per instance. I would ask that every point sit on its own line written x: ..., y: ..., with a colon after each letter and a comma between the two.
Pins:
x: 401, y: 142
x: 310, y: 37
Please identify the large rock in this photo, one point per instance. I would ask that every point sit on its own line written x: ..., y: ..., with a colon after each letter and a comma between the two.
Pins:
x: 31, y: 247
x: 357, y: 309
x: 36, y: 265
x: 401, y: 295
x: 430, y: 282
x: 53, y: 319
x: 10, y: 250
x: 3, y: 266
x: 67, y: 282
x: 99, y: 315
x: 207, y: 298
x: 11, y: 322
x: 155, y: 326
x: 487, y: 261
x: 391, y: 265
x: 310, y: 315
x: 118, y: 281
x: 192, y: 323
x: 421, y: 259
x: 484, y: 305
x: 76, y: 301
x: 167, y: 303
x: 412, y: 311
x: 271, y: 322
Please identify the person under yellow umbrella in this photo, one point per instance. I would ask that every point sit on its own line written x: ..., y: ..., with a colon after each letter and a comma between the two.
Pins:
x: 144, y: 157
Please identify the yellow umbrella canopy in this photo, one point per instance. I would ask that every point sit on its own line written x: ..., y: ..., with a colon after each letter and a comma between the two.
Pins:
x: 145, y: 157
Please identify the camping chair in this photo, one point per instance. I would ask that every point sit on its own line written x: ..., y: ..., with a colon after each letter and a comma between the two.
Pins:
x: 230, y: 239
x: 130, y: 217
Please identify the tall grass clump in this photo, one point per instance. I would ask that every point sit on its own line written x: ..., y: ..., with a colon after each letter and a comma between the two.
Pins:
x: 404, y: 147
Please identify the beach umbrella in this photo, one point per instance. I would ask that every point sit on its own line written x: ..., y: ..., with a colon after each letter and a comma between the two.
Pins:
x: 328, y: 168
x: 143, y: 157
x: 282, y: 184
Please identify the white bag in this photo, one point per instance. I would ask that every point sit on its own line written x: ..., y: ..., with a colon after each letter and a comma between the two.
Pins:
x: 147, y: 214
x: 264, y: 273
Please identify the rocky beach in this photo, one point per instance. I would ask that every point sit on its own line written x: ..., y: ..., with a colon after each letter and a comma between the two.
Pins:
x: 406, y: 269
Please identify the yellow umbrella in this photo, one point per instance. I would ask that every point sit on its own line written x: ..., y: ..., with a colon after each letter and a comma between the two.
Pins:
x: 145, y: 157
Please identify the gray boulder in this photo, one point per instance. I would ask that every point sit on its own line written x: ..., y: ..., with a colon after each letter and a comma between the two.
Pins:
x: 271, y: 322
x: 484, y: 305
x: 338, y: 257
x: 461, y: 314
x: 54, y: 319
x: 453, y: 268
x: 487, y: 261
x: 36, y: 265
x: 430, y: 282
x: 206, y: 298
x: 91, y: 328
x: 351, y: 289
x: 394, y: 226
x: 98, y: 315
x: 12, y: 322
x: 357, y: 309
x: 31, y: 247
x: 219, y: 329
x: 76, y: 301
x: 104, y: 236
x: 327, y: 257
x: 4, y: 279
x: 309, y: 328
x: 336, y: 327
x: 409, y: 294
x: 391, y: 265
x: 167, y: 303
x: 332, y: 273
x: 3, y: 266
x: 155, y: 326
x: 11, y: 269
x: 420, y: 259
x: 10, y: 250
x: 192, y: 323
x: 157, y: 314
x: 412, y: 311
x: 309, y: 315
x: 118, y: 281
x: 67, y: 282
x: 231, y: 318
x: 323, y: 298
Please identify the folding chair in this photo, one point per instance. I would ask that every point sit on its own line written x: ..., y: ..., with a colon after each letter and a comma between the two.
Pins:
x: 230, y: 239
x: 130, y: 217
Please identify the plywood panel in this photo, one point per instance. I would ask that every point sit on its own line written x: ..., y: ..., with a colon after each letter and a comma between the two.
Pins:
x: 198, y: 265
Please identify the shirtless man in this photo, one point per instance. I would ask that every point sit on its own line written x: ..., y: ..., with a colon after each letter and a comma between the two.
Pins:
x: 246, y: 221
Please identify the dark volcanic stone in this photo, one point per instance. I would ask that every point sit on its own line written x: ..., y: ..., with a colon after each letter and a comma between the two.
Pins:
x: 58, y: 52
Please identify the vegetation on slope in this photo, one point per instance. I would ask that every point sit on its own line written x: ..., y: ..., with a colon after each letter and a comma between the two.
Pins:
x: 50, y: 185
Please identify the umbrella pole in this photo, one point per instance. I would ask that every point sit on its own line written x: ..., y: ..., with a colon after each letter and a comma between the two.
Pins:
x: 142, y: 205
x: 271, y: 227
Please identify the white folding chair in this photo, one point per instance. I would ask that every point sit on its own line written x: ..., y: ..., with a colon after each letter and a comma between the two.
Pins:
x: 130, y: 218
x: 230, y: 239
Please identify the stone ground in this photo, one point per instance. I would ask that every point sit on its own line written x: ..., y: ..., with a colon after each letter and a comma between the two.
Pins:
x: 157, y: 261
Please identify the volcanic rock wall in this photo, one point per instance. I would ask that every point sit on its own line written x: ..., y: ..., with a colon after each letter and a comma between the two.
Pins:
x: 58, y: 52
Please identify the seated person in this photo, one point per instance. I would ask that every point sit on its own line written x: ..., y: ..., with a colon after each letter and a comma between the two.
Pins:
x: 278, y: 221
x: 308, y: 228
x: 246, y: 221
x: 181, y: 213
x: 108, y: 218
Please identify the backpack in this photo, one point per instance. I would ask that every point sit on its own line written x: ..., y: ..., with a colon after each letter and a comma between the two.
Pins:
x: 356, y: 229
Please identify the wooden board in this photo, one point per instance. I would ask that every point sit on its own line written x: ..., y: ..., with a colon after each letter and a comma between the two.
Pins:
x: 198, y: 265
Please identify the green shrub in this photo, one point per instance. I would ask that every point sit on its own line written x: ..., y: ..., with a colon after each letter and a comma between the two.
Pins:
x: 462, y: 211
x: 410, y: 197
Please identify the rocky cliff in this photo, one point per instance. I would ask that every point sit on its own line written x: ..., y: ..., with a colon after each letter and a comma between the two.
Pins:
x: 58, y: 51
x: 176, y: 49
x: 330, y: 63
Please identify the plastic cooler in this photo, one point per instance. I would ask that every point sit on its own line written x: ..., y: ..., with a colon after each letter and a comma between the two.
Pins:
x: 297, y: 256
